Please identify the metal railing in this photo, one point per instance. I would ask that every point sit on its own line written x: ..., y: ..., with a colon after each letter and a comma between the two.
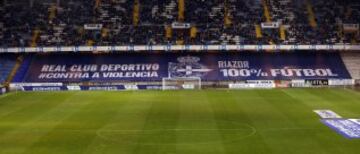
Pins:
x: 150, y: 48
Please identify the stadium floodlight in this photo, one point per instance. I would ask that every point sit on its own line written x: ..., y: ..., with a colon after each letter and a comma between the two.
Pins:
x: 180, y: 83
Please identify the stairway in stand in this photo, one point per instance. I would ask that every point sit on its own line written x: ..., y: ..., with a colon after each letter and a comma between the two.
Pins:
x: 352, y: 63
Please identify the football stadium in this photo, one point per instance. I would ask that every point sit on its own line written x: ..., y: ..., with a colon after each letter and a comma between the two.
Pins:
x: 179, y: 77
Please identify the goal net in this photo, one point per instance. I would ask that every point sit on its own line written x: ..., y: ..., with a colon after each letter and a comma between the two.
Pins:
x: 181, y: 83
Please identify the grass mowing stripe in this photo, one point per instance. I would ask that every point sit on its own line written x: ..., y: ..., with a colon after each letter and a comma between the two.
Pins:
x: 288, y: 110
x: 248, y: 106
x: 121, y: 132
x: 4, y: 96
x: 282, y: 106
x: 295, y: 109
x: 92, y: 113
x: 163, y: 114
x: 355, y: 91
x: 270, y: 116
x: 19, y: 102
x: 344, y: 106
x: 177, y: 122
x: 226, y: 113
x: 323, y: 134
x: 197, y: 114
x: 341, y: 104
x: 15, y: 134
x: 348, y: 94
x: 352, y: 103
x: 25, y: 111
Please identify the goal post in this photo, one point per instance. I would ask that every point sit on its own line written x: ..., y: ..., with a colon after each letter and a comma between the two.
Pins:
x: 188, y: 83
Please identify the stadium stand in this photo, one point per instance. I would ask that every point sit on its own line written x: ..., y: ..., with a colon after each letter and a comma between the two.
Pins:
x: 162, y: 22
x: 103, y: 27
x: 7, y: 63
x: 352, y: 63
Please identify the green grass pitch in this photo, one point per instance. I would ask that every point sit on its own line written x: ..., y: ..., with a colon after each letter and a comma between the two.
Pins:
x: 278, y: 121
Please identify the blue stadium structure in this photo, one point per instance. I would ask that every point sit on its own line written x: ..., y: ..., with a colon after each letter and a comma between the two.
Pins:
x: 180, y: 76
x: 65, y: 43
x: 7, y: 62
x: 115, y: 71
x: 80, y: 68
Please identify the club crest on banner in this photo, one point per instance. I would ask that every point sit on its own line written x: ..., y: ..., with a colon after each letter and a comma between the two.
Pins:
x: 187, y: 67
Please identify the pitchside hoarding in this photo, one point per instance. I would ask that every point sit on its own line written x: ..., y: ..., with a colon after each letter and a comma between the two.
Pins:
x: 208, y: 66
x: 90, y: 88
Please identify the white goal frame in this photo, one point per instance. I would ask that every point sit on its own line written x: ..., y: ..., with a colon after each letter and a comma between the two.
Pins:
x: 183, y: 82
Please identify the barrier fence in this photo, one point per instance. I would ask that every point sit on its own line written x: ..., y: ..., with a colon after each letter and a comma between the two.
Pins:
x: 150, y: 48
x: 248, y: 84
